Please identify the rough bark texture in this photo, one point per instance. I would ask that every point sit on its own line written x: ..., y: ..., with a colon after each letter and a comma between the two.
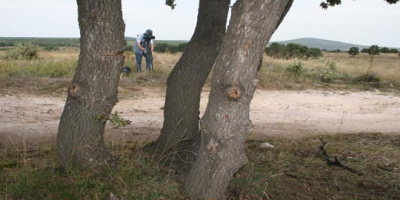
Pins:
x: 181, y: 111
x: 225, y: 124
x: 93, y: 91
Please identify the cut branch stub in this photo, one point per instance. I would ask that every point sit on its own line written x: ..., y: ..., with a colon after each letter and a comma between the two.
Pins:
x: 233, y: 93
x: 74, y: 91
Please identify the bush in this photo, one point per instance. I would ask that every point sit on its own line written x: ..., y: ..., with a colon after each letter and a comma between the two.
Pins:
x: 296, y: 68
x: 51, y: 48
x: 21, y: 51
x: 353, y: 51
x: 291, y: 50
x: 374, y: 50
x: 161, y: 48
x: 164, y: 47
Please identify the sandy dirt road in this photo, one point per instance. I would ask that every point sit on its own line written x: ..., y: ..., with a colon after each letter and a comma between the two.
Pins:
x: 34, y: 119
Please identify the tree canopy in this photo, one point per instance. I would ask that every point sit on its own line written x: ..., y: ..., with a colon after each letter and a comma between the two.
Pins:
x: 331, y: 3
x: 170, y: 3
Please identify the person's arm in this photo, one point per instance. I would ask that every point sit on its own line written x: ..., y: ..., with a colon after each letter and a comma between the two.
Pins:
x: 138, y: 39
x: 140, y: 46
x: 151, y: 47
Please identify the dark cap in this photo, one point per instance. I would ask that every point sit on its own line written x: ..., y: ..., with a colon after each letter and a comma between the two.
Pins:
x: 149, y: 31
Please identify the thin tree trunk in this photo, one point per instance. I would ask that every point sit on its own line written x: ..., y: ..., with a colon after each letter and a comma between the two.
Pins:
x: 93, y: 91
x: 225, y: 124
x: 181, y: 115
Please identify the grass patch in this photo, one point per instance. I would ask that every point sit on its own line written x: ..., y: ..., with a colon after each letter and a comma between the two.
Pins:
x: 137, y: 177
x: 294, y: 169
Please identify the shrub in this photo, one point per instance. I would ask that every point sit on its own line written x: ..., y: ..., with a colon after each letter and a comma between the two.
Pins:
x: 296, y: 68
x: 51, y: 48
x: 374, y: 50
x: 161, y: 48
x: 21, y: 51
x: 353, y: 51
x: 325, y: 74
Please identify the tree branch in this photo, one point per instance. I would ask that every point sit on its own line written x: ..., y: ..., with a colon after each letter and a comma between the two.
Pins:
x: 335, y: 161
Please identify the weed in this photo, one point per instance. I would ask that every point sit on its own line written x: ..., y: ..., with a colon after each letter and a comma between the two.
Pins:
x: 117, y: 121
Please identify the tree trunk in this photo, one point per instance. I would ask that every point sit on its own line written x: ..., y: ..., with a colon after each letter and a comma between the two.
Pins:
x: 93, y: 91
x: 225, y: 124
x: 181, y: 111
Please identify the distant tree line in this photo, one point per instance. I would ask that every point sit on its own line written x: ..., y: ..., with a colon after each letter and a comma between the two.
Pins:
x: 164, y: 47
x: 291, y: 50
x: 46, y: 43
x: 372, y: 50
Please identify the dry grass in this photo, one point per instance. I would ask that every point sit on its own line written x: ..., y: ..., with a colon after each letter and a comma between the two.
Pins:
x: 345, y: 72
x: 296, y: 169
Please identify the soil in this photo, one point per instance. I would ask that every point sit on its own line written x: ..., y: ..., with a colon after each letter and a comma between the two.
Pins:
x: 30, y: 119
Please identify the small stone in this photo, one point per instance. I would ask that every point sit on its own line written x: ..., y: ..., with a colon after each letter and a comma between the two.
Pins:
x: 266, y: 145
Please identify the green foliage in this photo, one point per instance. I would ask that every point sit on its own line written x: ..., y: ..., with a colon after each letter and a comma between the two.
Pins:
x: 165, y: 47
x: 370, y: 77
x: 136, y: 177
x: 393, y: 51
x: 170, y: 3
x: 387, y: 50
x: 21, y: 51
x: 365, y: 50
x: 374, y: 50
x: 296, y: 68
x: 38, y: 184
x: 51, y: 48
x: 330, y: 3
x: 326, y: 74
x: 291, y: 50
x: 327, y: 3
x: 353, y: 51
x: 315, y: 53
x: 117, y: 121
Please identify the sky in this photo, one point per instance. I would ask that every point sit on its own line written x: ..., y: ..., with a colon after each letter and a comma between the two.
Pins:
x: 362, y: 22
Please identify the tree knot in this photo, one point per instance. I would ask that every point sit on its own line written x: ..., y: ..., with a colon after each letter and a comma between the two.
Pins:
x: 233, y: 93
x: 74, y: 91
x: 212, y: 146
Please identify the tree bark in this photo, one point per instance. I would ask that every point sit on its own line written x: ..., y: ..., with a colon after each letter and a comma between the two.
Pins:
x: 93, y: 91
x: 225, y: 124
x: 180, y: 130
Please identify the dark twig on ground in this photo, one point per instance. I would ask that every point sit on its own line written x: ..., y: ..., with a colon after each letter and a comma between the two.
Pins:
x: 335, y: 161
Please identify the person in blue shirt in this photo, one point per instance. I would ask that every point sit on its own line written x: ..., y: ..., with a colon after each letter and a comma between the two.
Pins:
x: 144, y: 47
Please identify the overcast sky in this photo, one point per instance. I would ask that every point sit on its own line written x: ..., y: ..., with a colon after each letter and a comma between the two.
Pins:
x: 363, y: 22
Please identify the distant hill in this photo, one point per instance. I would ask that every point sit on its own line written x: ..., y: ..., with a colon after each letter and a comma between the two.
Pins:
x: 322, y: 44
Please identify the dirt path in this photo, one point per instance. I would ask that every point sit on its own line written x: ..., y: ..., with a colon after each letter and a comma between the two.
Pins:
x: 274, y: 113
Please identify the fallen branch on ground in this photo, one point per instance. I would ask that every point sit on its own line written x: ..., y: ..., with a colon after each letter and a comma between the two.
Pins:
x: 335, y: 161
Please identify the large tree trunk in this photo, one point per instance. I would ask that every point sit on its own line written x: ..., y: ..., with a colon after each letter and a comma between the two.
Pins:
x: 225, y: 124
x: 181, y: 115
x: 93, y: 91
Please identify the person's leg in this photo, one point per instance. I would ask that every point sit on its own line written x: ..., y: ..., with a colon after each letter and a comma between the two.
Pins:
x: 138, y: 61
x: 148, y: 62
